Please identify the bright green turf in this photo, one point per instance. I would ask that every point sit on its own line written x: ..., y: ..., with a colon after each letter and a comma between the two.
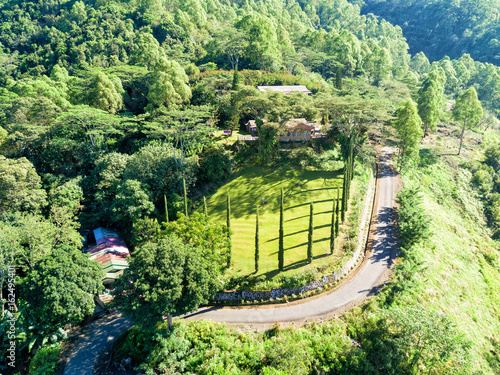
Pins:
x: 248, y: 187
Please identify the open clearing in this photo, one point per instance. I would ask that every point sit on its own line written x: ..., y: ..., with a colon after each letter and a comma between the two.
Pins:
x: 252, y: 187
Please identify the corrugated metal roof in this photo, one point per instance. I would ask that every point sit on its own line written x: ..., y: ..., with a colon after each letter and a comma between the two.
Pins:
x: 99, y: 233
x: 285, y: 89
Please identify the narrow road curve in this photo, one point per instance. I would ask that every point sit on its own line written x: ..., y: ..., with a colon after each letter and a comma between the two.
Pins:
x: 82, y: 359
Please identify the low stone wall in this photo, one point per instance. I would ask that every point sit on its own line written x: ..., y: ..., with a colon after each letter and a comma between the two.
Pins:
x: 327, y: 280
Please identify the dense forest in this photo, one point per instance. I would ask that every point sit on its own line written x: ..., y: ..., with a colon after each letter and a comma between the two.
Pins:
x: 440, y: 28
x: 112, y: 114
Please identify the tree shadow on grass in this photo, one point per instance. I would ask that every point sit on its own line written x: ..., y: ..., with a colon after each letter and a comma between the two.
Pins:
x: 302, y: 244
x: 428, y: 157
x: 304, y: 216
x: 303, y: 262
x: 301, y: 231
x: 307, y: 203
x: 251, y: 187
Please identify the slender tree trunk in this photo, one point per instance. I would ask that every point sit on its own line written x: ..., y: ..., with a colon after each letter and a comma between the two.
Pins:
x: 228, y: 222
x: 344, y: 198
x: 185, y: 197
x: 281, y: 249
x: 462, y: 137
x: 166, y: 208
x: 426, y: 130
x: 2, y: 272
x: 205, y: 208
x: 332, y: 228
x: 169, y: 321
x: 337, y: 206
x: 310, y: 234
x: 257, y: 241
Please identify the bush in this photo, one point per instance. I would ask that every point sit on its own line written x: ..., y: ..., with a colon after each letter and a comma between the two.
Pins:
x: 45, y: 360
x: 215, y: 165
x: 204, y: 347
x: 413, y: 221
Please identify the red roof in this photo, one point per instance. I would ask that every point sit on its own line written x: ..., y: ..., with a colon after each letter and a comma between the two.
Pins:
x: 111, y: 256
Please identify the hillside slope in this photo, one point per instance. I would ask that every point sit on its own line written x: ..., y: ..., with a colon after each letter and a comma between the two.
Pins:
x: 456, y: 271
x: 445, y: 27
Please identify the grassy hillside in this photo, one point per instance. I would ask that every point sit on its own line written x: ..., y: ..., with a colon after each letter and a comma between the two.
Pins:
x: 461, y: 276
x: 438, y: 314
x: 456, y: 272
x: 254, y: 187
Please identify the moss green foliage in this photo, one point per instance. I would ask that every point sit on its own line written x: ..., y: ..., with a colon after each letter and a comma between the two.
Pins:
x: 484, y: 178
x: 412, y: 340
x: 201, y: 231
x: 427, y: 25
x: 408, y: 127
x: 430, y: 101
x: 60, y: 289
x: 204, y: 347
x: 105, y: 94
x: 20, y: 186
x: 45, y: 360
x: 468, y: 111
x: 413, y: 220
x: 166, y: 276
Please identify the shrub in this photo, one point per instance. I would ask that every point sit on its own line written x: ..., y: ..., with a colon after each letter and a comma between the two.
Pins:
x: 45, y: 360
x: 414, y: 224
x: 215, y: 165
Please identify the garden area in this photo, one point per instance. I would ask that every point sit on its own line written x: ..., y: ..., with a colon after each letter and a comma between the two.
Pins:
x: 253, y: 188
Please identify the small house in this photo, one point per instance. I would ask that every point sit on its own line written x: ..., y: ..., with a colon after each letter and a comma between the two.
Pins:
x: 297, y: 129
x: 110, y: 251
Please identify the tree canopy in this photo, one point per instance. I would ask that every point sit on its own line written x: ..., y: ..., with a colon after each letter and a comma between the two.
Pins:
x: 61, y: 288
x: 165, y: 276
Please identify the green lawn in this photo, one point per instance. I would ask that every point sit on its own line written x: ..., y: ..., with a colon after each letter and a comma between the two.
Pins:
x: 249, y: 188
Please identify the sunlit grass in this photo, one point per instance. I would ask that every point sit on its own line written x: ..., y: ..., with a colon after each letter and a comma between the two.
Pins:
x: 457, y: 280
x: 254, y: 187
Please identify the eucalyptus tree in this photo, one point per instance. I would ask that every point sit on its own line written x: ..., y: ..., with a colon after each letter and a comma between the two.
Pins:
x: 408, y: 127
x: 430, y: 101
x: 468, y: 110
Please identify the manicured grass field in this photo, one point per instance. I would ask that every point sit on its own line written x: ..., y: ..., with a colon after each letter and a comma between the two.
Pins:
x: 254, y: 187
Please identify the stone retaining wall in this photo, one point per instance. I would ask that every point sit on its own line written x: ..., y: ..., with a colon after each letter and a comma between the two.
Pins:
x: 327, y: 280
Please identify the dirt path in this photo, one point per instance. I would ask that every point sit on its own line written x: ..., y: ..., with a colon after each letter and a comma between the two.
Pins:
x: 364, y: 284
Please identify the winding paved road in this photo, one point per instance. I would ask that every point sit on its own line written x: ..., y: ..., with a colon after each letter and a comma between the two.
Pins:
x: 360, y: 287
